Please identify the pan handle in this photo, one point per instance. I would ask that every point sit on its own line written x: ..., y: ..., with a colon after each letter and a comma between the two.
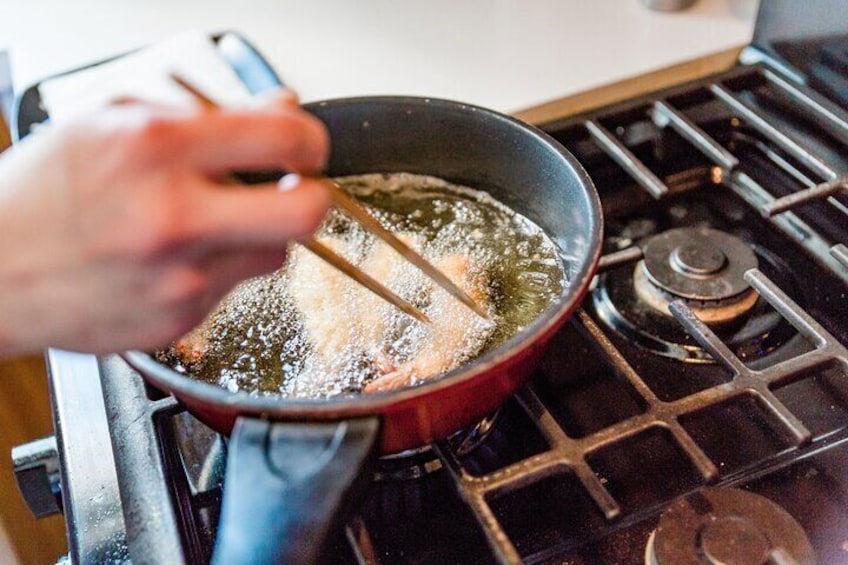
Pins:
x: 288, y: 487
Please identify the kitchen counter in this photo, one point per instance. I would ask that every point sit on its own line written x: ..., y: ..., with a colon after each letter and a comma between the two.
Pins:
x: 509, y: 55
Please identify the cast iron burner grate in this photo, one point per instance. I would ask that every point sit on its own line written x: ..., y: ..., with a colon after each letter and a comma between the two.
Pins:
x: 564, y: 457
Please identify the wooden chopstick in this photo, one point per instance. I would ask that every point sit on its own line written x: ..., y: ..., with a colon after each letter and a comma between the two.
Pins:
x: 198, y: 95
x: 312, y: 244
x: 369, y: 222
x: 361, y: 215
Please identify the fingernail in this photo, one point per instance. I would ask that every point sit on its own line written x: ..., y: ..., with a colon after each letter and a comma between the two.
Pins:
x: 289, y: 182
x: 288, y: 95
x: 277, y: 95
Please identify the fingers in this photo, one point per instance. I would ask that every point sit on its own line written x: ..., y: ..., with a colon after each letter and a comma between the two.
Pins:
x: 280, y: 136
x: 262, y: 214
x: 274, y: 133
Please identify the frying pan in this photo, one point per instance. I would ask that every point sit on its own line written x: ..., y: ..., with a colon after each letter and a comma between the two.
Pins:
x: 295, y: 466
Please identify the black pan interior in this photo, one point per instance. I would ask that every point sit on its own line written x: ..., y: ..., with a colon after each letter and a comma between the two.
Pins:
x: 466, y: 145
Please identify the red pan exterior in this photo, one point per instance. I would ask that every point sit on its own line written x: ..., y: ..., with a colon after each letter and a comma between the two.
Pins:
x: 420, y: 420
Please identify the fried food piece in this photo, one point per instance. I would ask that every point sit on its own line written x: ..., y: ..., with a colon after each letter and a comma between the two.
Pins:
x: 322, y: 294
x: 455, y: 334
x: 343, y: 321
x: 192, y: 346
x: 336, y: 311
x: 384, y: 264
x: 353, y: 334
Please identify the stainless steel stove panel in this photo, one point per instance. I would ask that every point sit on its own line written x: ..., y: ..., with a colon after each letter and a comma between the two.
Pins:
x: 91, y: 498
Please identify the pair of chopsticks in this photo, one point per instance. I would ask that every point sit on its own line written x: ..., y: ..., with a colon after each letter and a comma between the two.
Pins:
x: 342, y: 200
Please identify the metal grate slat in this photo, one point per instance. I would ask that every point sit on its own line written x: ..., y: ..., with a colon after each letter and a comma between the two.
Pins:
x: 817, y: 192
x: 827, y: 348
x: 628, y: 161
x: 828, y: 115
x: 619, y: 258
x: 840, y: 253
x: 796, y: 316
x: 474, y: 497
x: 663, y: 112
x: 761, y: 124
x: 569, y: 454
x: 751, y: 192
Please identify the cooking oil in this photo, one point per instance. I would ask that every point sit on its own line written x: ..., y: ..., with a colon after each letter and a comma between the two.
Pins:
x: 308, y: 331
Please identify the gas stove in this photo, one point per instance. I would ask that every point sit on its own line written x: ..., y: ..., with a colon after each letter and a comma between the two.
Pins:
x: 694, y: 410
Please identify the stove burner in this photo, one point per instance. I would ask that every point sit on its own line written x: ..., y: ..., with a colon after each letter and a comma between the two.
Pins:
x: 404, y: 466
x: 729, y: 527
x: 416, y: 463
x: 705, y: 268
x: 702, y: 266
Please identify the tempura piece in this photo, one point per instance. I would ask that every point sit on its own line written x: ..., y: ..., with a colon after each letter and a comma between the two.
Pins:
x: 354, y: 335
x: 384, y: 264
x: 192, y: 346
x: 343, y: 321
x: 455, y: 334
x: 321, y: 293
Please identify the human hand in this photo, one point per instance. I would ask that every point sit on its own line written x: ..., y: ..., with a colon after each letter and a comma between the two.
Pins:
x: 117, y: 235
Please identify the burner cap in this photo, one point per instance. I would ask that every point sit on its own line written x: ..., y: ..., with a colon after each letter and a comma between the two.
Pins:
x: 702, y: 266
x: 729, y: 527
x: 699, y: 263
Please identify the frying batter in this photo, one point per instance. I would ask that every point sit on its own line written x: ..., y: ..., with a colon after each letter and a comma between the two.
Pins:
x: 456, y: 333
x: 309, y: 331
x: 346, y: 324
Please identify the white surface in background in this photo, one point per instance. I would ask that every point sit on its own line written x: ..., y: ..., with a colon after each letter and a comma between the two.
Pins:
x: 505, y: 54
x: 5, y: 85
